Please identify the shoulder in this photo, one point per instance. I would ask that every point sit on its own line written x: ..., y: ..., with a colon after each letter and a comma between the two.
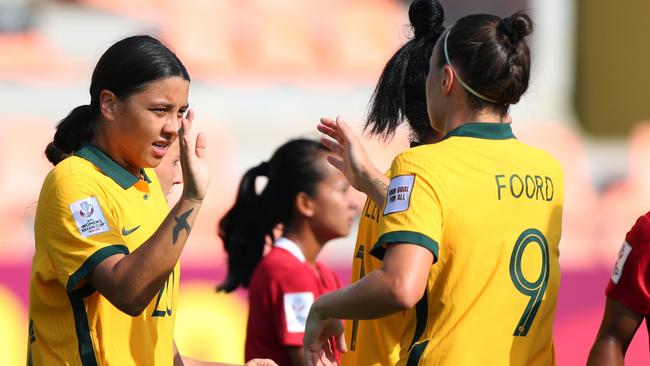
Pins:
x: 71, y: 178
x: 639, y: 235
x: 279, y: 263
x: 419, y: 159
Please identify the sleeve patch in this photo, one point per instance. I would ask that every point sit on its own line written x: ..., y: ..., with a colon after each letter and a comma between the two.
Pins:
x: 399, y: 194
x: 89, y: 217
x: 620, y: 262
x: 296, y: 309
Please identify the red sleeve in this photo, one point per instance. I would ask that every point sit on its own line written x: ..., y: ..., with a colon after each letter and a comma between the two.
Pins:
x: 292, y: 299
x: 630, y: 281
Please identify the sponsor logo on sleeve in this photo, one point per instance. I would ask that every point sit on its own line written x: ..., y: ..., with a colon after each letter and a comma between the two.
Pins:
x: 296, y: 309
x: 620, y: 262
x: 399, y: 194
x: 89, y: 217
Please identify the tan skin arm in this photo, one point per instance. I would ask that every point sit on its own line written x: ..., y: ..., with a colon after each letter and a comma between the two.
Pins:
x: 131, y: 281
x: 614, y: 336
x: 399, y: 285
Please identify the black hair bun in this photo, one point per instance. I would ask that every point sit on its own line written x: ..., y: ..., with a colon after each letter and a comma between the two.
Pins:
x: 516, y: 26
x: 426, y: 16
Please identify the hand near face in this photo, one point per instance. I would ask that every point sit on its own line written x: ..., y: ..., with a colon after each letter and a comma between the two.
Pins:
x: 196, y: 174
x: 350, y: 156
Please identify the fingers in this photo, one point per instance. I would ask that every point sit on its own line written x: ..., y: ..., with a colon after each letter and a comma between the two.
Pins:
x: 331, y: 132
x: 340, y: 343
x: 311, y: 358
x: 337, y: 163
x: 345, y: 130
x: 334, y: 146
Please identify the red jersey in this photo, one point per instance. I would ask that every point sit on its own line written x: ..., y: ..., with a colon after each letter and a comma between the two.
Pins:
x: 280, y: 293
x: 630, y: 281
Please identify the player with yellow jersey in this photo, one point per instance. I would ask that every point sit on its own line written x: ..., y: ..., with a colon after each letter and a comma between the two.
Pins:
x: 493, y: 231
x: 470, y: 228
x: 105, y: 272
x: 398, y: 98
x: 90, y: 208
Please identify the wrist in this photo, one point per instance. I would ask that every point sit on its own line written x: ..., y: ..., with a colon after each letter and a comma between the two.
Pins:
x: 367, y: 179
x: 191, y: 199
x: 316, y: 310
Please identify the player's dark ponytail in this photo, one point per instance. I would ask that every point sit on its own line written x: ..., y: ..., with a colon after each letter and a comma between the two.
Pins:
x: 400, y: 92
x: 293, y: 168
x: 124, y: 69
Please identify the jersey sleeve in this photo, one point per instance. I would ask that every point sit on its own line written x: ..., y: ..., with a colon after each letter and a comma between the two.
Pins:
x: 629, y: 284
x: 81, y: 230
x: 293, y: 299
x: 412, y: 210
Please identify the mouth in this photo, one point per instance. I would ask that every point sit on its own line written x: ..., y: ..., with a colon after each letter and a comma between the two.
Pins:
x: 160, y: 148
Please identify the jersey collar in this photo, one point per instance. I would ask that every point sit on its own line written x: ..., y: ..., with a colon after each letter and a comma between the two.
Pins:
x: 109, y: 167
x: 482, y: 130
x: 290, y: 247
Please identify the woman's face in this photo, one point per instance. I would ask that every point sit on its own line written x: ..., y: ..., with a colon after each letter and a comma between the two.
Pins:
x: 169, y: 170
x: 334, y: 204
x: 146, y: 123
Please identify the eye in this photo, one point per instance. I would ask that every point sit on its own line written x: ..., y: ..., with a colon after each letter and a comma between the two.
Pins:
x: 159, y: 110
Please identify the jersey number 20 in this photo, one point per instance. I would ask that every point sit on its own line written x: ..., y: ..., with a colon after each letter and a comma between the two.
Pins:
x: 535, y: 290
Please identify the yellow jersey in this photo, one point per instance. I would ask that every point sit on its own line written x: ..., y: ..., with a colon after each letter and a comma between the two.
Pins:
x: 91, y: 208
x: 370, y: 342
x: 489, y: 208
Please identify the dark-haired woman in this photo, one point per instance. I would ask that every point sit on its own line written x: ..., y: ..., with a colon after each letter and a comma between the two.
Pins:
x: 470, y: 228
x: 313, y: 202
x: 105, y: 273
x: 399, y: 98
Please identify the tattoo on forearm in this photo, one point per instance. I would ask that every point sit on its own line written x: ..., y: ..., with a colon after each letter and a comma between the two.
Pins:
x: 381, y: 184
x: 181, y: 224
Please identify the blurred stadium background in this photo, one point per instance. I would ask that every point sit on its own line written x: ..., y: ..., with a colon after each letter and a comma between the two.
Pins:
x: 264, y: 71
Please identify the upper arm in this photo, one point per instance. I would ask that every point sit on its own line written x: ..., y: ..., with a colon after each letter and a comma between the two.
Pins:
x: 408, y: 268
x: 81, y: 231
x: 413, y: 211
x: 292, y: 299
x: 619, y: 323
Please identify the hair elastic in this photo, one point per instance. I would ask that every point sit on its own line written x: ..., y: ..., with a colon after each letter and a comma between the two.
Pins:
x: 467, y: 87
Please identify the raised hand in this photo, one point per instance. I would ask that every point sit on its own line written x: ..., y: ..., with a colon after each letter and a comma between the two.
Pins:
x: 351, y: 159
x: 350, y: 156
x: 196, y: 173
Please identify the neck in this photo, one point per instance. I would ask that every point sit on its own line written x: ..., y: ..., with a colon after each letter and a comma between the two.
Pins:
x: 101, y: 141
x: 463, y: 115
x: 306, y: 240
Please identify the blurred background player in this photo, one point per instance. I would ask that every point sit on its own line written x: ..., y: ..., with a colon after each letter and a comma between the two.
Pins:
x: 462, y: 242
x: 104, y: 281
x: 314, y: 203
x: 169, y: 171
x: 628, y: 297
x: 399, y: 97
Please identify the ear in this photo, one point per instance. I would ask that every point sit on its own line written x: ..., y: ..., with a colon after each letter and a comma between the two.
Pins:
x: 108, y: 104
x: 447, y: 80
x: 304, y: 204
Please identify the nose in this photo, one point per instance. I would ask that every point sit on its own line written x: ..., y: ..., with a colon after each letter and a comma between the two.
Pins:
x: 178, y: 175
x: 352, y: 201
x: 172, y: 126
